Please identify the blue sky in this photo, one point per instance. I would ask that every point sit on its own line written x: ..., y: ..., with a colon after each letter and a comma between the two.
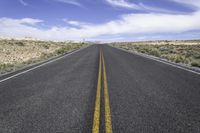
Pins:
x: 105, y: 20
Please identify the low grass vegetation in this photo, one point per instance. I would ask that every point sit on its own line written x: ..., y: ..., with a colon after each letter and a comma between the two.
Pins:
x: 185, y: 52
x: 16, y: 54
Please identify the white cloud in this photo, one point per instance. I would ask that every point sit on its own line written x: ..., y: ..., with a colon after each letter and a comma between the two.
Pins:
x: 134, y: 24
x: 71, y: 2
x: 23, y: 3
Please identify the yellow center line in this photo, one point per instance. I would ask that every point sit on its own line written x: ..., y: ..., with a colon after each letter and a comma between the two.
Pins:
x: 96, y: 119
x: 108, y: 122
x: 97, y: 110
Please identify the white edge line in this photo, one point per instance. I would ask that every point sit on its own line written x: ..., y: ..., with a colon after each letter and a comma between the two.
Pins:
x: 146, y: 56
x: 48, y: 62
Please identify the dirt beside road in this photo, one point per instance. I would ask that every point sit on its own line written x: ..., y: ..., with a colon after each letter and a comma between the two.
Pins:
x: 15, y: 54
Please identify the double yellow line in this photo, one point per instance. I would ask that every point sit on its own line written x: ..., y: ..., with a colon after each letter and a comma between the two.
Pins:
x: 97, y: 111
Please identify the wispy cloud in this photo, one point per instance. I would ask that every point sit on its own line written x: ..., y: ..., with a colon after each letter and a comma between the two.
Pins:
x: 76, y: 23
x: 23, y: 3
x: 194, y: 3
x: 29, y: 21
x: 124, y: 4
x: 139, y: 6
x: 71, y: 2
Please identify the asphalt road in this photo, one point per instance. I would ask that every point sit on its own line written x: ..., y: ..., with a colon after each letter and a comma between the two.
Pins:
x: 114, y: 91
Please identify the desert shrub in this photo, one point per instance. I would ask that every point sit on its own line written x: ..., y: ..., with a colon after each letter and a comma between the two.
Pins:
x: 155, y: 52
x: 46, y: 55
x: 31, y: 61
x: 2, y: 66
x: 165, y: 56
x: 164, y: 50
x: 46, y: 46
x: 9, y: 43
x: 60, y: 51
x: 186, y: 61
x: 179, y: 59
x: 124, y: 47
x: 195, y: 64
x: 196, y: 55
x: 19, y: 43
x: 68, y: 47
x: 6, y: 67
x: 43, y: 55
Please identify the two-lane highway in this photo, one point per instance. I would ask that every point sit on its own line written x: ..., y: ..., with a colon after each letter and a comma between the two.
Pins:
x: 101, y: 89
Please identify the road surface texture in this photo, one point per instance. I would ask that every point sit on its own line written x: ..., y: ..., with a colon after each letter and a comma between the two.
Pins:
x: 101, y: 89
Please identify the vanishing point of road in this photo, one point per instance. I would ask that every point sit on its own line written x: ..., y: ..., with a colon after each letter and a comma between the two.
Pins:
x: 100, y: 89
